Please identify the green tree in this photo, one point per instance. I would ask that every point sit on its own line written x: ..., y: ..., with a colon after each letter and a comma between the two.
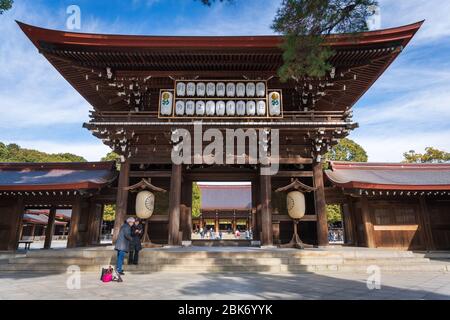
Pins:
x: 14, y: 153
x: 347, y: 150
x: 5, y: 5
x: 196, y: 200
x: 109, y: 212
x: 112, y: 156
x: 304, y: 23
x: 334, y: 213
x: 431, y: 155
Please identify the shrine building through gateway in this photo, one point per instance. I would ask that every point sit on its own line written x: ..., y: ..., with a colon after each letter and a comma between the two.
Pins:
x: 149, y: 93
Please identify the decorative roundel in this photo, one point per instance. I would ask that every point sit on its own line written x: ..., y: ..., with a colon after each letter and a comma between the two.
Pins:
x: 200, y: 108
x: 290, y: 203
x: 190, y: 108
x: 240, y: 108
x: 231, y: 89
x: 240, y: 89
x: 190, y: 89
x: 231, y: 108
x: 210, y: 108
x: 150, y: 203
x: 179, y: 108
x: 181, y: 89
x: 274, y: 104
x: 210, y: 89
x: 166, y: 103
x: 201, y: 89
x: 261, y: 108
x: 251, y: 108
x: 250, y: 89
x: 220, y: 89
x: 261, y: 89
x: 220, y: 108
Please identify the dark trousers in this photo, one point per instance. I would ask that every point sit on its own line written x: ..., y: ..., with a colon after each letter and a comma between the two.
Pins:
x: 133, y: 257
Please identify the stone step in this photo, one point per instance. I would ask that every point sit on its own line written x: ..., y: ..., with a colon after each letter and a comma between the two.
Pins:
x: 386, y: 261
x: 65, y: 261
x: 425, y: 267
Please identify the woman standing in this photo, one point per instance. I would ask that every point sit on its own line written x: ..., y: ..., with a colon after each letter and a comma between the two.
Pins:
x: 137, y: 231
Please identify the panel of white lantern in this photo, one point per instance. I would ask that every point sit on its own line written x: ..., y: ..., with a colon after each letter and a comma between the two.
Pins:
x: 220, y: 89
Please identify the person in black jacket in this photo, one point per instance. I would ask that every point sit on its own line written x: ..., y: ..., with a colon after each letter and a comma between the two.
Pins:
x: 123, y: 243
x: 137, y: 231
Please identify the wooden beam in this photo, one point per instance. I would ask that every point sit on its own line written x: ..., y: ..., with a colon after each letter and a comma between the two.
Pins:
x: 294, y: 174
x: 174, y: 205
x: 367, y: 222
x: 320, y: 204
x: 122, y: 198
x: 50, y: 228
x: 266, y: 210
x: 150, y: 174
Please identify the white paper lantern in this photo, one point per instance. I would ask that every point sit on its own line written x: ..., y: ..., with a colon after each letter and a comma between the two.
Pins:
x: 240, y: 89
x: 220, y: 108
x: 181, y: 89
x: 250, y: 89
x: 201, y: 89
x: 261, y: 108
x: 251, y: 108
x: 190, y: 89
x: 200, y: 108
x: 210, y: 108
x: 145, y: 204
x: 231, y: 108
x: 231, y: 89
x: 261, y: 89
x: 190, y: 108
x: 296, y: 206
x: 274, y: 104
x: 220, y: 89
x: 240, y: 108
x: 166, y: 103
x: 210, y: 89
x: 179, y: 108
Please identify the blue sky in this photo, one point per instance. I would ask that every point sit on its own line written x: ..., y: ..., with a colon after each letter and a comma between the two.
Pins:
x: 407, y: 109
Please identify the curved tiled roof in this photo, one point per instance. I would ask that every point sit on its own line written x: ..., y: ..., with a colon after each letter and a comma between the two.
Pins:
x: 390, y: 176
x: 56, y: 176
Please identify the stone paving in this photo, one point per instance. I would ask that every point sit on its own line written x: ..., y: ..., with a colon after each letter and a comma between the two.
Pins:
x: 228, y: 286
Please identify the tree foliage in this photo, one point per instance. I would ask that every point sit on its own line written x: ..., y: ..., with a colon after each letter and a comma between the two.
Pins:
x: 109, y: 212
x: 196, y: 200
x: 431, y: 155
x: 305, y: 22
x: 14, y: 153
x: 347, y: 150
x: 334, y: 213
x: 5, y: 5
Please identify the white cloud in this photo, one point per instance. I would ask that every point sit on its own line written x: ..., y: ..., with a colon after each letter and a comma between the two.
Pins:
x: 435, y: 12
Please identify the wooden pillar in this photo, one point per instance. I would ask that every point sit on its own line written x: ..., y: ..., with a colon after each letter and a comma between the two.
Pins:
x: 186, y: 213
x: 174, y: 205
x: 367, y: 222
x: 425, y: 224
x: 320, y: 203
x: 266, y: 210
x: 94, y: 223
x: 50, y: 228
x: 349, y: 235
x: 122, y: 198
x: 33, y: 230
x: 216, y: 224
x: 256, y: 212
x: 72, y: 239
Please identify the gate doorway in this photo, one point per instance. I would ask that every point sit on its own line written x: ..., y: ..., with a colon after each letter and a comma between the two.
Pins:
x: 222, y: 214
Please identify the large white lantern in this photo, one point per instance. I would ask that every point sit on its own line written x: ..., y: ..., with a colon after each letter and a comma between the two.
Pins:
x: 261, y: 89
x: 274, y: 104
x: 201, y: 89
x: 240, y: 108
x: 231, y: 89
x: 251, y: 108
x: 200, y: 108
x: 220, y: 89
x: 210, y: 89
x: 179, y: 108
x: 190, y: 89
x: 220, y: 108
x: 296, y: 206
x: 240, y: 89
x: 210, y: 108
x: 190, y: 108
x: 145, y: 204
x: 250, y: 89
x: 261, y: 108
x: 181, y: 89
x: 231, y: 108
